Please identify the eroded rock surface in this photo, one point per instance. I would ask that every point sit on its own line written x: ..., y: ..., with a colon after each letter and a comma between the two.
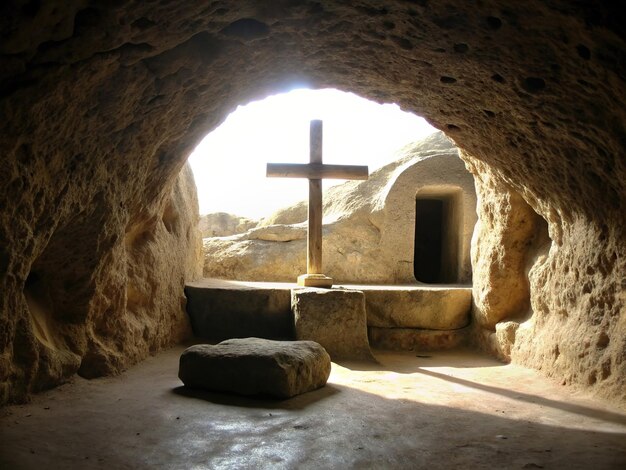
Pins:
x: 507, y: 239
x: 570, y: 325
x: 100, y: 105
x: 99, y: 302
x: 254, y: 366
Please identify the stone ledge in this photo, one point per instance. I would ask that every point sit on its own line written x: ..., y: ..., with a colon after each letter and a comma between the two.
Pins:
x: 398, y: 317
x: 239, y: 312
x: 423, y: 308
x: 415, y: 339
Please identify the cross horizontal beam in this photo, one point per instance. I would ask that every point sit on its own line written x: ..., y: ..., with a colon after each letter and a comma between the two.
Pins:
x: 317, y: 171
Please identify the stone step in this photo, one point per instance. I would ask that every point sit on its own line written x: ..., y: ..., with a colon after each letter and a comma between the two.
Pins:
x: 423, y: 307
x: 415, y: 339
x: 415, y: 317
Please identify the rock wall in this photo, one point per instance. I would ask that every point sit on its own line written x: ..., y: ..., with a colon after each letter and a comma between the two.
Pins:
x: 92, y: 300
x: 532, y: 303
x: 101, y: 104
x: 368, y: 227
x: 507, y: 235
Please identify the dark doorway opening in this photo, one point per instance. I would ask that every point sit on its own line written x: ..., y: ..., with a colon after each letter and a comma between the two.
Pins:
x: 437, y: 225
x: 428, y: 228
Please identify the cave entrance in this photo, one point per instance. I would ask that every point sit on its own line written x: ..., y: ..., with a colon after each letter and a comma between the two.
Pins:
x: 438, y: 223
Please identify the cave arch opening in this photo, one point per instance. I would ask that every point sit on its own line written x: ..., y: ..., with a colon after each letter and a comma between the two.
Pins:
x: 275, y: 128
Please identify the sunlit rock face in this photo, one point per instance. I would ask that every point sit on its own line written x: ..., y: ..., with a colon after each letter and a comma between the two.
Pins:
x: 222, y: 224
x: 100, y: 106
x: 369, y: 227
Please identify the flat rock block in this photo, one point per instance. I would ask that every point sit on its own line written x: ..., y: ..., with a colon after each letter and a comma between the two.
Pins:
x: 334, y: 318
x: 219, y: 313
x: 253, y: 366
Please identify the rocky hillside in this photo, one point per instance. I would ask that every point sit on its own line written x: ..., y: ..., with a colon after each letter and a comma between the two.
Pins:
x: 365, y: 224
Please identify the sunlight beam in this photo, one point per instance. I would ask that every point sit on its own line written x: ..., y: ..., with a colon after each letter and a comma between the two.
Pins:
x: 229, y: 163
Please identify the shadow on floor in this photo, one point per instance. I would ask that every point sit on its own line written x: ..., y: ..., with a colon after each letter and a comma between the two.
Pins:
x: 534, y: 399
x: 299, y: 402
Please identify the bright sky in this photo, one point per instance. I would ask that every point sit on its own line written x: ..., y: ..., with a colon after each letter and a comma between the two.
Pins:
x: 229, y: 164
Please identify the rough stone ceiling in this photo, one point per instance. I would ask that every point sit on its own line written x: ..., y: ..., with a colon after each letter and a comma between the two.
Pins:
x: 493, y: 75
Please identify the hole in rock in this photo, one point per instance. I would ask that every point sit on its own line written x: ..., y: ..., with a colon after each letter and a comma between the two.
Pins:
x: 494, y: 22
x: 533, y: 84
x: 361, y: 219
x: 438, y: 222
x: 583, y: 51
x: 40, y: 308
x: 461, y: 48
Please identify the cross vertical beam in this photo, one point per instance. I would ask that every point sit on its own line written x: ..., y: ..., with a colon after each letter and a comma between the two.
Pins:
x: 315, y: 171
x: 314, y: 239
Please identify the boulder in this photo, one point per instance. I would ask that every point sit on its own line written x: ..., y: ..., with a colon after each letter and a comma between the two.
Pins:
x: 222, y: 224
x: 334, y: 318
x: 255, y: 366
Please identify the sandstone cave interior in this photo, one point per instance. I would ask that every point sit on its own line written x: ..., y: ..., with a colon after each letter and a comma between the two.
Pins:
x: 506, y: 350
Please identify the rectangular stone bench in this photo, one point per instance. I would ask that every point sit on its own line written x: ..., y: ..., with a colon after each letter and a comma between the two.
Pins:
x: 412, y: 317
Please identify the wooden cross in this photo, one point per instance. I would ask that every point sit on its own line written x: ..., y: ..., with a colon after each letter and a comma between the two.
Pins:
x: 315, y: 171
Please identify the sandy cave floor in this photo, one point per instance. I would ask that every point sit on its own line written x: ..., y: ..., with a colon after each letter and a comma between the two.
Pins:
x: 434, y: 410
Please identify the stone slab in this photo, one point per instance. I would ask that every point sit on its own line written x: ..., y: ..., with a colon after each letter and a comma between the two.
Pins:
x: 256, y: 366
x: 334, y: 318
x: 425, y: 308
x: 223, y: 311
x: 415, y: 339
